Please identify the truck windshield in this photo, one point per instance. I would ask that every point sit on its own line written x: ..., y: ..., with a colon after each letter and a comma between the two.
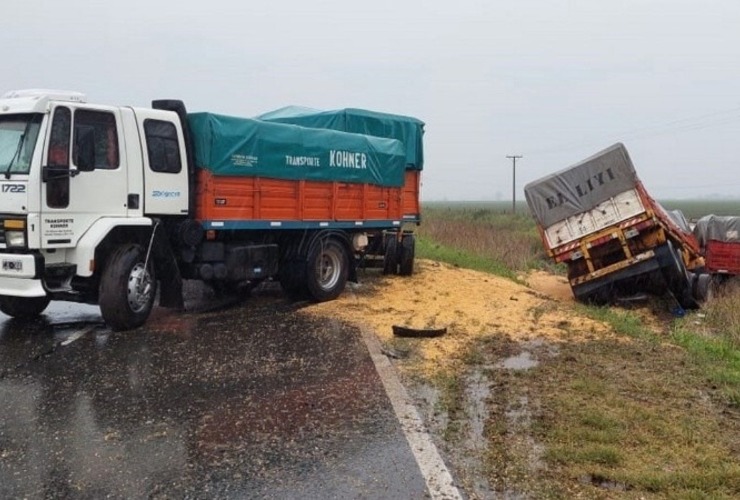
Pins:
x: 18, y: 134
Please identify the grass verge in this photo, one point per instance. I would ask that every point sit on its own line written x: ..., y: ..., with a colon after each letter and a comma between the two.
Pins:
x: 646, y: 413
x: 428, y: 249
x: 719, y: 359
x: 509, y: 241
x: 631, y: 419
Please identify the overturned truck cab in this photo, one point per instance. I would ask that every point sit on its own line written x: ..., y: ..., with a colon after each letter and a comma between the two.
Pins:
x: 597, y: 218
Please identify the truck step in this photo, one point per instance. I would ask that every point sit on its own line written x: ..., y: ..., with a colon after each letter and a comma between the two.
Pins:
x: 58, y: 277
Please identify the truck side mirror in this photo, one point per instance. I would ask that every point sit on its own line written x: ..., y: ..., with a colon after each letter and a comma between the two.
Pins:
x: 85, y: 149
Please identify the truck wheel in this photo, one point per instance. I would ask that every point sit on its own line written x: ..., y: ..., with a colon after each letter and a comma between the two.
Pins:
x: 679, y: 282
x: 704, y: 287
x: 673, y: 268
x: 390, y: 257
x: 327, y: 269
x: 127, y: 289
x: 408, y: 248
x: 23, y: 307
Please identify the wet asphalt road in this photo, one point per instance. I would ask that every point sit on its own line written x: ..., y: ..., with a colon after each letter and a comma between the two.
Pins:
x: 253, y: 400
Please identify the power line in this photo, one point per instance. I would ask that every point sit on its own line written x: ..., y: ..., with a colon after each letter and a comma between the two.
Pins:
x: 697, y: 122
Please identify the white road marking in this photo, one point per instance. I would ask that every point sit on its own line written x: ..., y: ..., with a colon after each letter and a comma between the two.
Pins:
x: 437, y: 476
x: 77, y: 335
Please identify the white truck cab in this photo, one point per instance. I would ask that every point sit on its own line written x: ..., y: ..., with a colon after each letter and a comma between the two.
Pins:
x: 76, y: 177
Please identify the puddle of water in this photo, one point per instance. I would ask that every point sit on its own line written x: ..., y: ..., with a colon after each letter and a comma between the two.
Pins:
x: 470, y: 449
x: 519, y: 421
x: 436, y: 417
x: 477, y: 392
x: 518, y: 413
x: 522, y: 361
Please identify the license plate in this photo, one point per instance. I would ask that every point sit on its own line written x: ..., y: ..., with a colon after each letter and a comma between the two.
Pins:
x: 12, y: 265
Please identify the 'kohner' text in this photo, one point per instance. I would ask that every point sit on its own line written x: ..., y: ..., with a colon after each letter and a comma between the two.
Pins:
x: 347, y: 159
x: 582, y: 189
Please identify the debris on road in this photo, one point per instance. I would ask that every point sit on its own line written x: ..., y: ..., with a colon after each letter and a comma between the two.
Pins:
x: 404, y: 331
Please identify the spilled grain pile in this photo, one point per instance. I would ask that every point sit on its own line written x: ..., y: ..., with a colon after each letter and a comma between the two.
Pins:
x: 472, y: 305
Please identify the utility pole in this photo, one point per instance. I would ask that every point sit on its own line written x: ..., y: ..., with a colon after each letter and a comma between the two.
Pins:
x: 513, y: 181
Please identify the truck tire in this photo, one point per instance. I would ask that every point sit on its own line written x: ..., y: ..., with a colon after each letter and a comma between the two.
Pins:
x: 327, y: 269
x: 23, y: 307
x: 677, y: 278
x: 127, y: 289
x: 704, y: 287
x: 390, y: 257
x: 408, y: 248
x: 673, y: 268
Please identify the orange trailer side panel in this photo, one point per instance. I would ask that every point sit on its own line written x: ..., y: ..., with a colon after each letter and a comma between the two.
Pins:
x: 257, y: 198
x: 411, y: 196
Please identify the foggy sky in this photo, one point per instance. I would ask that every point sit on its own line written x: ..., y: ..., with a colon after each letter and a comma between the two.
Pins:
x: 554, y: 81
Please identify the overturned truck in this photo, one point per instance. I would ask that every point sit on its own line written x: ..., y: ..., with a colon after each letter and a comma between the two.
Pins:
x: 597, y: 218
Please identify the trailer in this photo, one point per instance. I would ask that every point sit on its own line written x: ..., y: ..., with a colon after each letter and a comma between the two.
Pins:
x: 396, y: 253
x: 110, y: 205
x: 719, y: 240
x: 597, y: 218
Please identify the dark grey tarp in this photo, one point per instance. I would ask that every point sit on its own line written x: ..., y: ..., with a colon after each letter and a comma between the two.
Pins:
x: 679, y: 219
x: 717, y: 227
x: 581, y: 187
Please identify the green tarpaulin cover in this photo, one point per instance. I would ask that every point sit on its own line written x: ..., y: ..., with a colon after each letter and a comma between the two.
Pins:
x: 359, y: 121
x: 227, y: 145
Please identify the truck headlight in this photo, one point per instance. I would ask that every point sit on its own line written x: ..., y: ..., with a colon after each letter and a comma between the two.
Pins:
x: 15, y: 238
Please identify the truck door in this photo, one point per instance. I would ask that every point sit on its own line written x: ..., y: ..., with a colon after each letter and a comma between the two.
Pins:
x: 165, y: 163
x: 84, y: 174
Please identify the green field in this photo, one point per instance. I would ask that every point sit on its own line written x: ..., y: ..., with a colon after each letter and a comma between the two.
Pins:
x: 692, y: 209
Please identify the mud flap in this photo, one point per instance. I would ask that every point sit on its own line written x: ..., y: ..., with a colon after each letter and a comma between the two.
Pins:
x: 170, y: 291
x: 352, y: 276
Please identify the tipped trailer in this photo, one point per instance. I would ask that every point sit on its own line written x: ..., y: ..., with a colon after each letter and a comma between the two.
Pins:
x: 598, y: 219
x: 109, y: 205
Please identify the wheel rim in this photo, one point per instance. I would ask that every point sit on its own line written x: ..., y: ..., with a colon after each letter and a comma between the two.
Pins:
x: 140, y: 288
x: 328, y: 268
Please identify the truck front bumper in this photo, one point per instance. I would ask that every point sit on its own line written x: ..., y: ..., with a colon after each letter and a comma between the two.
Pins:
x: 20, y: 275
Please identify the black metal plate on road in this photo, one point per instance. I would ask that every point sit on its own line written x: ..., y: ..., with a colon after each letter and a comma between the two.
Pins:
x: 403, y: 331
